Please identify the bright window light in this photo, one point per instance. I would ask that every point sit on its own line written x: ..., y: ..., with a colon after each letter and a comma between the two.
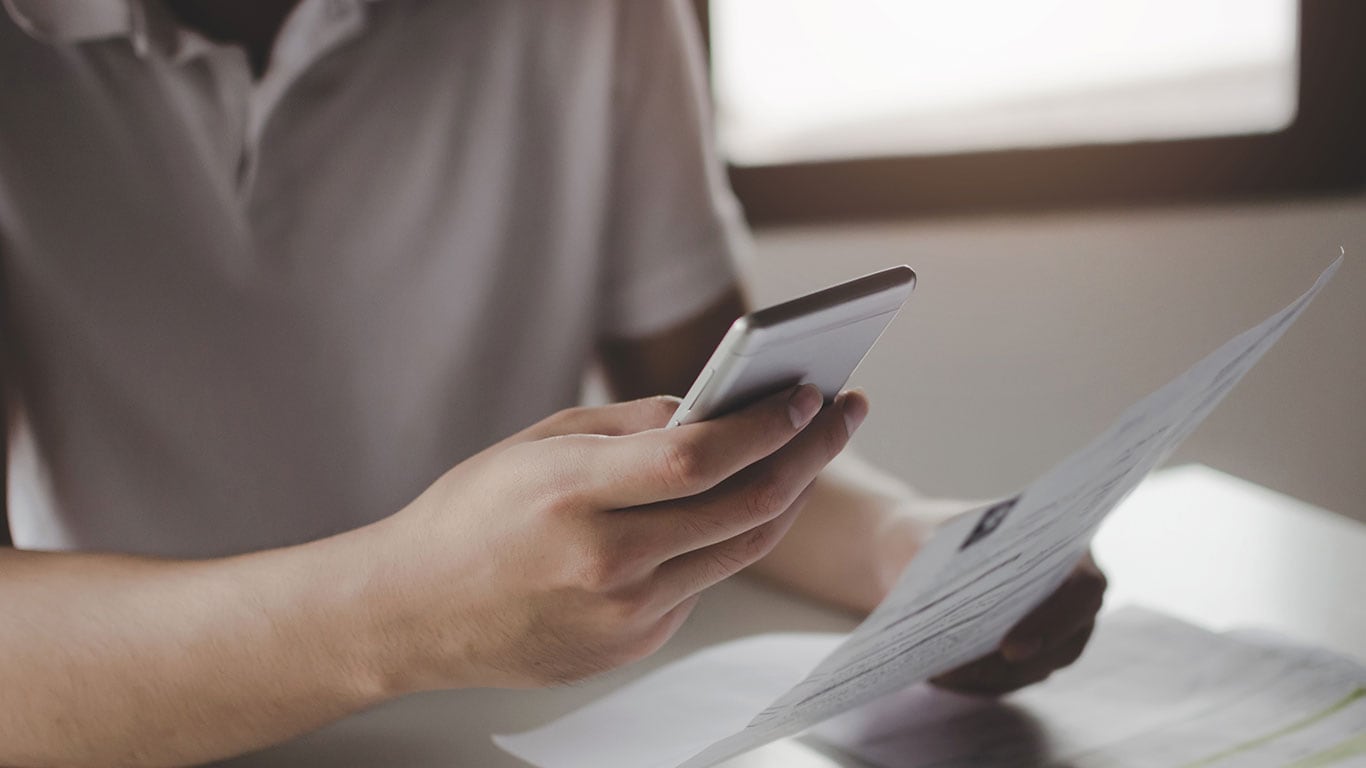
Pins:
x: 801, y: 80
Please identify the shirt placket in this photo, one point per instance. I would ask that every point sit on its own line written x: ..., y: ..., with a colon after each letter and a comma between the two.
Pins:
x: 314, y: 29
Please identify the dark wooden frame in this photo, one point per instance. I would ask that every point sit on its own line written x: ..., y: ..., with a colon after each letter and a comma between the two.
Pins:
x: 1322, y: 152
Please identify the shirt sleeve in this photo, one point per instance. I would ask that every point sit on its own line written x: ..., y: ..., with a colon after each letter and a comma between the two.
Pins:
x: 674, y: 230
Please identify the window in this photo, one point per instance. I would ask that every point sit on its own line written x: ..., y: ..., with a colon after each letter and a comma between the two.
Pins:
x: 839, y: 108
x: 802, y: 80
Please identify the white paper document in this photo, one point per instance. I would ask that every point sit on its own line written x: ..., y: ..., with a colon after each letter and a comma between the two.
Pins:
x: 1150, y: 691
x: 977, y: 576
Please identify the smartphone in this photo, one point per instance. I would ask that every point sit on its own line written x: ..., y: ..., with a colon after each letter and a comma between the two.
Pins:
x: 819, y: 339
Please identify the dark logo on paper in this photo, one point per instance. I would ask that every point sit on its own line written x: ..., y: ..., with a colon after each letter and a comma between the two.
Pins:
x: 990, y: 521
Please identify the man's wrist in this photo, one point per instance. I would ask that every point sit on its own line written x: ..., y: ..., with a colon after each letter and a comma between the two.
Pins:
x: 907, y: 527
x: 359, y: 601
x: 404, y: 613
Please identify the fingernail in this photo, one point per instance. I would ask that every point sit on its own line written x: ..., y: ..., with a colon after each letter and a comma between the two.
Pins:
x: 1019, y: 650
x: 855, y: 411
x: 803, y: 405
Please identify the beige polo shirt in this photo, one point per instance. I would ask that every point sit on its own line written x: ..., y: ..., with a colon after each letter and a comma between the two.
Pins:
x: 244, y: 314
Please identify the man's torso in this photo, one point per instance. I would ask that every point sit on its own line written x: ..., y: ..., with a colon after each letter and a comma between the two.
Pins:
x: 249, y: 314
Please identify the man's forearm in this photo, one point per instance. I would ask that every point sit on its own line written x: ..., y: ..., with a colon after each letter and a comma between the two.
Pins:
x: 115, y: 660
x: 858, y: 529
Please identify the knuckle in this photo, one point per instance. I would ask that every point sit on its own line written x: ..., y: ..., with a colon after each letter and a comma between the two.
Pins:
x: 1091, y: 572
x: 745, y: 549
x: 636, y: 554
x: 565, y: 417
x: 834, y: 437
x: 625, y: 607
x: 758, y: 542
x: 553, y: 507
x: 557, y: 498
x: 704, y: 526
x: 1100, y: 581
x: 767, y: 495
x: 599, y: 571
x: 646, y: 643
x: 729, y: 558
x: 683, y: 465
x: 665, y: 627
x: 662, y: 407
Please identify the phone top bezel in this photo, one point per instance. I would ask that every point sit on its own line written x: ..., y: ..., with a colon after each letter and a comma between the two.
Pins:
x: 829, y: 298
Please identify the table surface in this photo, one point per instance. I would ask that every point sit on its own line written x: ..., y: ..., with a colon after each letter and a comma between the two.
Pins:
x: 1198, y: 544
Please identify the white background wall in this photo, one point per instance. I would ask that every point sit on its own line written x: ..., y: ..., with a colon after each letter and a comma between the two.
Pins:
x: 1028, y: 335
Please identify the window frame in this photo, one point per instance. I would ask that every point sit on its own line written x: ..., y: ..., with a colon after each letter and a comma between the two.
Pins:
x: 1322, y: 152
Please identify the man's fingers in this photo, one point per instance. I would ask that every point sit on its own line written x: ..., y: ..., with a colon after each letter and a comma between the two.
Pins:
x: 1058, y: 655
x: 739, y: 522
x: 1051, y: 637
x: 1071, y: 607
x: 684, y: 576
x: 1065, y: 653
x: 662, y: 464
x: 994, y: 674
x: 991, y: 676
x: 749, y: 499
x: 616, y: 419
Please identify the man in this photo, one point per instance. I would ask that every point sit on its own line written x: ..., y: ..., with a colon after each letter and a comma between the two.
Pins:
x: 272, y: 269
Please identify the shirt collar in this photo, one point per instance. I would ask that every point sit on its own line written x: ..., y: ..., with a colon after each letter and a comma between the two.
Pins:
x: 75, y: 21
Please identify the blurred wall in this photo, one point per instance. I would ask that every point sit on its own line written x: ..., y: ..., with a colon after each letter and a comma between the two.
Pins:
x: 1027, y: 336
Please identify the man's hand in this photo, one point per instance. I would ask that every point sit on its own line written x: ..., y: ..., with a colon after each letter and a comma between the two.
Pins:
x: 578, y: 545
x: 1051, y: 637
x: 583, y: 542
x: 862, y: 525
